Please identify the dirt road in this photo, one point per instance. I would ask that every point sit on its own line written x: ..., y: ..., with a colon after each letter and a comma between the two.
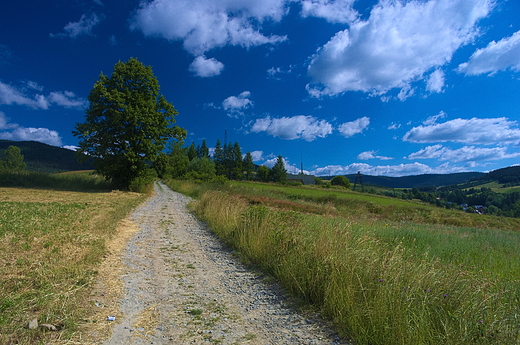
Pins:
x: 182, y: 286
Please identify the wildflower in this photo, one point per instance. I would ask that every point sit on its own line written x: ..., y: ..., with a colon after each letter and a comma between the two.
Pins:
x: 427, y: 290
x: 381, y: 280
x: 445, y: 295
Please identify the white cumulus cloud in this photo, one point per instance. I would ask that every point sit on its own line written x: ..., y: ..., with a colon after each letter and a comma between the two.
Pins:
x: 398, y: 44
x: 433, y: 119
x: 334, y: 11
x: 386, y: 170
x: 349, y: 129
x: 497, y: 56
x: 10, y: 94
x: 257, y: 155
x: 470, y: 131
x: 67, y: 99
x: 83, y: 27
x: 435, y: 81
x: 463, y: 154
x: 203, y: 25
x: 434, y: 151
x: 372, y: 155
x: 203, y: 67
x: 234, y: 103
x: 289, y: 128
x: 13, y: 131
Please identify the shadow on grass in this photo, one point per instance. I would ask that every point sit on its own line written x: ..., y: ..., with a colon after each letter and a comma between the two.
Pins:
x: 75, y: 182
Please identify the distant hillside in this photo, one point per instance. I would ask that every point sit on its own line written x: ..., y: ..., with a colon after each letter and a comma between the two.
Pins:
x: 504, y: 175
x: 417, y: 181
x: 46, y: 158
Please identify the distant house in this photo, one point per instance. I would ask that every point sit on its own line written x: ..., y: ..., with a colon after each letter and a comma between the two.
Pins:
x: 303, y: 179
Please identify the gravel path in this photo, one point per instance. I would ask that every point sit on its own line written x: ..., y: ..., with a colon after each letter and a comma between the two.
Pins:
x: 182, y: 286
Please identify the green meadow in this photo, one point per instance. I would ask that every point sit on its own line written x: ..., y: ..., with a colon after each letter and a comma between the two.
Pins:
x: 385, y: 271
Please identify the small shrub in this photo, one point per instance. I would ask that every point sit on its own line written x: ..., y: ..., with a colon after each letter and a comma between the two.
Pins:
x: 141, y: 184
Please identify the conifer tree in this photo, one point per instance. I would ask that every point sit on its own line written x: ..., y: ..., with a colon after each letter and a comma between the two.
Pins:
x: 237, y: 170
x: 249, y: 166
x: 278, y: 171
x: 192, y: 152
x: 202, y: 150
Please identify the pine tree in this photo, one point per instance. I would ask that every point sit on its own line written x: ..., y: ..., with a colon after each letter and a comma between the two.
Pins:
x: 219, y: 159
x: 278, y: 172
x: 237, y: 171
x: 249, y: 166
x: 192, y: 152
x: 202, y: 150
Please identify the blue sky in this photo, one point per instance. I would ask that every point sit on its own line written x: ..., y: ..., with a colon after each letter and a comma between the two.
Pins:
x: 383, y: 87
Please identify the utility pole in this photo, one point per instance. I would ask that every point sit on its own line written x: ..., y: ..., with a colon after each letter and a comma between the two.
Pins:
x: 360, y: 180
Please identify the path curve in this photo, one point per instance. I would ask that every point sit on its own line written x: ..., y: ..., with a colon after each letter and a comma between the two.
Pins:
x: 182, y: 286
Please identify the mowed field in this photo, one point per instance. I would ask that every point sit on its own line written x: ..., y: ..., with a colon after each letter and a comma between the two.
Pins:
x: 51, y: 245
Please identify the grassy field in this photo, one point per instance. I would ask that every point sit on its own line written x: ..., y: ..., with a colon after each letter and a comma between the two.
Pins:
x: 415, y: 278
x: 51, y: 243
x: 497, y: 187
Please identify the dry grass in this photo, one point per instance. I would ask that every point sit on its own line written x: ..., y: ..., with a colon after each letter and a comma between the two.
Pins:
x: 54, y: 245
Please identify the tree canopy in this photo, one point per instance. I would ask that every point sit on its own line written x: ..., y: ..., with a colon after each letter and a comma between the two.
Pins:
x: 340, y: 180
x: 12, y: 159
x: 128, y: 123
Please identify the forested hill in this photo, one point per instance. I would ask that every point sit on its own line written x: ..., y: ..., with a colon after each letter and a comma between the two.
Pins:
x: 509, y: 175
x: 46, y: 158
x: 418, y: 181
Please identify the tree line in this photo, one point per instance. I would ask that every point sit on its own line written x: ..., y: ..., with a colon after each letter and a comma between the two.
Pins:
x: 474, y: 200
x: 226, y: 163
x: 128, y: 125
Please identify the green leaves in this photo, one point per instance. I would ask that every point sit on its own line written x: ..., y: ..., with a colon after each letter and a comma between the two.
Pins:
x: 127, y: 123
x: 11, y: 159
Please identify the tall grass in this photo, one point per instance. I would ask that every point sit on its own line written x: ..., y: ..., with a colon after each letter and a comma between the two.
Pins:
x: 85, y: 181
x: 378, y: 287
x: 356, y: 206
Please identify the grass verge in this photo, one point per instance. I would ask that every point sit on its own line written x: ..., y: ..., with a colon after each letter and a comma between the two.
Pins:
x: 380, y: 280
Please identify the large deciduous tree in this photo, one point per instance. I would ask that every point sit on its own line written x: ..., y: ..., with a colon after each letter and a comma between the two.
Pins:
x: 128, y: 123
x: 263, y: 173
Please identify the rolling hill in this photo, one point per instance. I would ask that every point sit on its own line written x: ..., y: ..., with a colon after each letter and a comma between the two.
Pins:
x: 418, y: 181
x: 41, y: 157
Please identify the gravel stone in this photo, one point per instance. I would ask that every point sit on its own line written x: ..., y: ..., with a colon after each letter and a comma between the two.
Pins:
x: 183, y: 286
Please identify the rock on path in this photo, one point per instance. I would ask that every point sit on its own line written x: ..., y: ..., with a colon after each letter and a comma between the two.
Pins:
x: 182, y: 286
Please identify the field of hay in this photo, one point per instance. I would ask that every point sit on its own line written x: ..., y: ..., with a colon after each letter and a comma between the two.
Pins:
x: 51, y: 245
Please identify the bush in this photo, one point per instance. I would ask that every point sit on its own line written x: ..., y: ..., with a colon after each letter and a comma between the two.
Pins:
x: 142, y: 183
x: 340, y: 180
